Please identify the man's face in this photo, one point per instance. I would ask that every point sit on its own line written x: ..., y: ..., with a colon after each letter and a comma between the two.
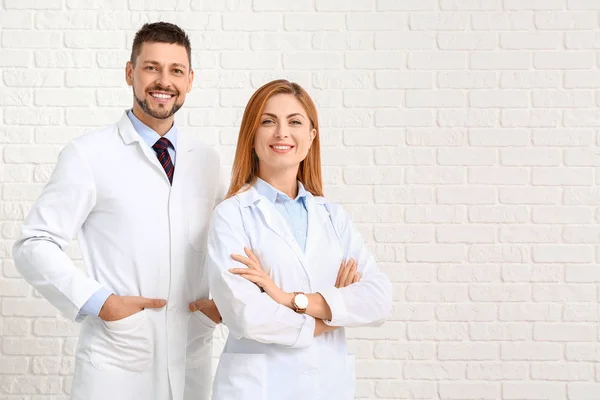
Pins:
x: 160, y: 77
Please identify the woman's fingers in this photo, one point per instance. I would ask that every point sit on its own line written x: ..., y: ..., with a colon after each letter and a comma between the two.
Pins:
x: 346, y: 273
x: 339, y: 274
x: 351, y: 275
x: 251, y: 255
x: 356, y: 277
x: 245, y: 260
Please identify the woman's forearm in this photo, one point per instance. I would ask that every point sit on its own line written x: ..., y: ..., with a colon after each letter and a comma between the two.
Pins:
x: 317, y: 306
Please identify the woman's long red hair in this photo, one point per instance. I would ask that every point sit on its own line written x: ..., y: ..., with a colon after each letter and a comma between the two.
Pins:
x: 245, y: 165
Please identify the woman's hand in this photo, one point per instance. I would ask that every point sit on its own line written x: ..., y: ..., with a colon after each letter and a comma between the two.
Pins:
x: 254, y: 273
x: 347, y: 274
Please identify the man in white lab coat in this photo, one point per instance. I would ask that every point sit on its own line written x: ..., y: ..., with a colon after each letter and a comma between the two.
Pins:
x: 138, y: 194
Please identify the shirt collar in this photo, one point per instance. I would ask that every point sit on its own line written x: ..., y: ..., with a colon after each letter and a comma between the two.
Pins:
x: 148, y: 135
x: 268, y: 191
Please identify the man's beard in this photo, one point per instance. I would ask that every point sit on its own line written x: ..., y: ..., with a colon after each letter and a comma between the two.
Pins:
x: 161, y: 113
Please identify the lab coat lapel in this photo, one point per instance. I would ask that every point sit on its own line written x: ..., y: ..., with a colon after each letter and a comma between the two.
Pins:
x: 317, y: 215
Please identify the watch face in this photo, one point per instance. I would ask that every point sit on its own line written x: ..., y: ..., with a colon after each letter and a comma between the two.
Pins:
x: 301, y: 301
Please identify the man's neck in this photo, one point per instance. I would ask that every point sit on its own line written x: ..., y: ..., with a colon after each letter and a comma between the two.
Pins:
x: 160, y: 126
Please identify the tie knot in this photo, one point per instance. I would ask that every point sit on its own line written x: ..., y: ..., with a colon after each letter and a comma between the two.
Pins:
x: 161, y: 144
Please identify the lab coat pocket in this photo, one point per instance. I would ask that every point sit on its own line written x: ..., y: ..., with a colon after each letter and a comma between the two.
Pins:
x: 199, y: 212
x: 241, y: 377
x: 123, y: 345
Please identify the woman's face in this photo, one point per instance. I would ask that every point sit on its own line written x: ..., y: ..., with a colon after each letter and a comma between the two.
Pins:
x: 284, y: 135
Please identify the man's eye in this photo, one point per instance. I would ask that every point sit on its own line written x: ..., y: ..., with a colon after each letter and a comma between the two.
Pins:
x: 150, y: 68
x: 178, y: 71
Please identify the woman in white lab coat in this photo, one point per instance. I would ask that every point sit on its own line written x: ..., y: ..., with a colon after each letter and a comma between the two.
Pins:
x: 275, y: 249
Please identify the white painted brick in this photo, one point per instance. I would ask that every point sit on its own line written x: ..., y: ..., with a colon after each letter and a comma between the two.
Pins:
x: 487, y: 253
x: 562, y: 99
x: 530, y: 312
x: 438, y: 214
x: 582, y: 157
x: 404, y: 79
x: 469, y: 391
x: 412, y: 312
x: 403, y: 233
x: 30, y: 346
x: 529, y: 156
x: 563, y: 60
x: 497, y: 371
x: 56, y: 135
x: 565, y: 292
x: 530, y: 40
x: 498, y: 98
x: 466, y: 195
x: 427, y: 60
x: 533, y: 273
x: 64, y: 97
x: 409, y: 118
x: 563, y: 254
x: 435, y: 253
x: 534, y: 4
x: 466, y: 234
x: 530, y: 234
x: 566, y: 20
x: 489, y: 331
x: 373, y: 175
x: 233, y: 5
x: 583, y: 391
x: 435, y: 137
x: 14, y: 365
x: 534, y: 390
x: 435, y: 175
x: 503, y: 20
x: 401, y: 389
x: 437, y: 331
x: 582, y: 79
x: 314, y: 22
x: 14, y: 58
x: 469, y: 117
x: 15, y: 327
x: 466, y: 156
x: 271, y: 5
x: 530, y: 118
x: 468, y: 273
x: 92, y: 117
x: 467, y: 41
x: 342, y: 40
x: 582, y: 117
x: 266, y: 41
x: 65, y: 59
x: 435, y: 98
x: 157, y: 5
x: 583, y: 352
x: 374, y: 60
x: 530, y: 79
x: 575, y: 176
x: 404, y: 156
x: 498, y: 137
x: 33, y: 4
x: 30, y: 116
x: 576, y: 273
x: 581, y: 312
x: 404, y: 41
x: 249, y: 60
x: 16, y: 19
x: 350, y: 157
x: 582, y: 40
x: 467, y: 80
x: 484, y: 5
x: 404, y: 350
x: 48, y: 365
x: 373, y: 98
x: 406, y: 5
x: 500, y: 60
x: 577, y: 195
x: 403, y: 195
x: 466, y: 312
x: 112, y: 59
x: 561, y: 332
x: 65, y: 20
x: 498, y: 175
x: 439, y: 21
x: 346, y: 118
x: 252, y: 21
x: 500, y: 292
x: 582, y: 5
x: 342, y: 5
x: 92, y: 78
x: 366, y: 137
x: 468, y: 351
x: 342, y: 80
x: 15, y: 97
x: 563, y: 137
x: 377, y: 22
x: 30, y: 39
x: 416, y: 370
x: 531, y: 351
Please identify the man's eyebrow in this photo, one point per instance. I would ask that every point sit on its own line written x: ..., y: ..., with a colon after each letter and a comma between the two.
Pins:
x: 178, y: 65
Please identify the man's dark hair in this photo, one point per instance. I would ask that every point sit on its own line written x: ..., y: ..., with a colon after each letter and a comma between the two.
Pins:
x: 160, y: 32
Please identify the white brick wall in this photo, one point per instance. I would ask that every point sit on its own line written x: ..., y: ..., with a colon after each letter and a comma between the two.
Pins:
x: 461, y: 135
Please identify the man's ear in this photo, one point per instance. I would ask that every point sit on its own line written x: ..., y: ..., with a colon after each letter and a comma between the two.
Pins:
x: 191, y: 81
x: 129, y: 73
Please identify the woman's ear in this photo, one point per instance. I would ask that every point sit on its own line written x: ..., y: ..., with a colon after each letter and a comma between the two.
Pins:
x: 313, y: 134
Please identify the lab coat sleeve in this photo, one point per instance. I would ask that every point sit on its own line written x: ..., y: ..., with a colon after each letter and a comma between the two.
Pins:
x: 48, y: 230
x: 246, y: 311
x: 367, y: 302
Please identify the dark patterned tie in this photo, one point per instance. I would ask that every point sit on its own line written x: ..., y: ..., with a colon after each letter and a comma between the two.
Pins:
x: 161, y: 148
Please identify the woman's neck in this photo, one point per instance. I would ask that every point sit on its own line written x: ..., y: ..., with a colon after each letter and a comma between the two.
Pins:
x: 284, y: 181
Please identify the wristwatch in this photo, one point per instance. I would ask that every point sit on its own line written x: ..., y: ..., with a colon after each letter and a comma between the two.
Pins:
x: 300, y: 302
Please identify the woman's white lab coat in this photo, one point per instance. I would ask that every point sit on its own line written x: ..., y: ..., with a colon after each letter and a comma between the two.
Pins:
x: 271, y: 353
x: 139, y: 236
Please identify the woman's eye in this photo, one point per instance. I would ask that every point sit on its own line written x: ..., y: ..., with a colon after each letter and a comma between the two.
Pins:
x: 295, y: 122
x: 267, y: 121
